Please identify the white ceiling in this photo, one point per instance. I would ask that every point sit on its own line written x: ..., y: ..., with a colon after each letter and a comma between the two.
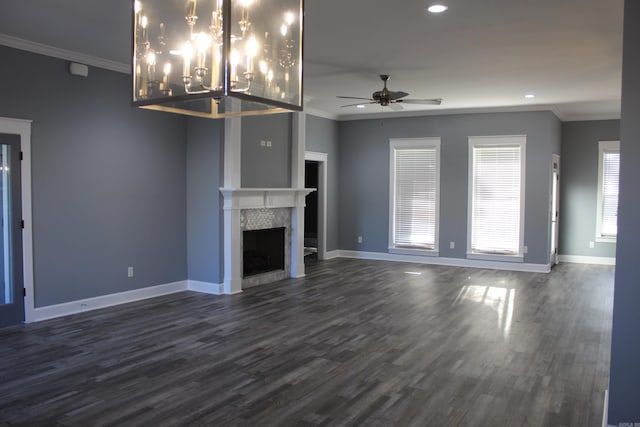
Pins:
x: 480, y: 54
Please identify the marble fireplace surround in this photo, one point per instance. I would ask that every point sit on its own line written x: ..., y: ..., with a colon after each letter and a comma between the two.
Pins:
x: 259, y: 208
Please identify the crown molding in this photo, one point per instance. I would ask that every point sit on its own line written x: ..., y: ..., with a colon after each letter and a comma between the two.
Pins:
x: 319, y: 113
x: 69, y: 55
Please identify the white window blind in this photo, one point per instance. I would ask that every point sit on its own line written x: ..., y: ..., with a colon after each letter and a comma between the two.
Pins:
x: 414, y: 195
x: 496, y: 205
x: 608, y: 184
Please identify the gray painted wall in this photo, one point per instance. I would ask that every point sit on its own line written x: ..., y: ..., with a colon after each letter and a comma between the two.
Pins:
x: 322, y: 136
x: 364, y: 175
x: 266, y: 167
x: 108, y: 180
x: 579, y: 186
x: 205, y: 160
x: 625, y: 348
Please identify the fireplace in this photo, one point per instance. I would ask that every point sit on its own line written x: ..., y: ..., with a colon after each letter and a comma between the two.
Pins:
x: 263, y: 251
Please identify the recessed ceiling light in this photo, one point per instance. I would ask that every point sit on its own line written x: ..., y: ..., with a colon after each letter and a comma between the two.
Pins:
x: 360, y: 106
x: 529, y: 96
x: 437, y: 8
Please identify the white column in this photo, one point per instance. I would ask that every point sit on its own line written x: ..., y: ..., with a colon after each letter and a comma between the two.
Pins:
x: 231, y: 218
x: 297, y: 181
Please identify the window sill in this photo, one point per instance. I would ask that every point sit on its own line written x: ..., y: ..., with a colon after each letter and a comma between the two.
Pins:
x: 417, y: 252
x: 496, y: 257
x: 606, y: 239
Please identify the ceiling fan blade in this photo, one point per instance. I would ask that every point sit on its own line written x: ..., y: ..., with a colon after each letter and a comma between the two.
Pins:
x: 359, y: 103
x: 433, y: 101
x: 395, y: 106
x: 354, y: 97
x: 397, y: 95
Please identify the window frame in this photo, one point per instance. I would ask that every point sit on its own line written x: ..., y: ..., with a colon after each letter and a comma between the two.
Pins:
x: 413, y: 144
x: 497, y: 141
x: 604, y: 146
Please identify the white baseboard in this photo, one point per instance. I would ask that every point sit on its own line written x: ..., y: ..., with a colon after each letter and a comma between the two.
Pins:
x: 578, y: 259
x: 78, y: 306
x: 452, y: 262
x: 332, y: 254
x: 605, y: 409
x: 205, y: 287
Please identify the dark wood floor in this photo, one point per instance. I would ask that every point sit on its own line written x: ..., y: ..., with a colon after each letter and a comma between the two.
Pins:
x: 354, y: 343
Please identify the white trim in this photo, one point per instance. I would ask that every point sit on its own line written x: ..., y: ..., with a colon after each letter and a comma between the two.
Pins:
x: 451, y: 262
x: 87, y: 304
x: 263, y: 198
x: 332, y: 254
x: 69, y: 55
x: 605, y: 409
x: 498, y: 141
x: 554, y: 240
x: 322, y: 159
x: 103, y: 301
x: 495, y: 257
x: 296, y: 254
x: 23, y: 128
x: 412, y: 143
x: 603, y: 146
x: 413, y: 251
x: 319, y: 113
x: 205, y: 287
x: 579, y: 259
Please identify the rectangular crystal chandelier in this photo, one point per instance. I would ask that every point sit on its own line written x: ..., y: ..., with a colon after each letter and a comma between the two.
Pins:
x: 218, y: 58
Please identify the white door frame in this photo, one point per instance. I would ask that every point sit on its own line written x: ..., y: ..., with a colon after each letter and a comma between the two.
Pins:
x: 322, y: 159
x: 23, y: 128
x: 554, y: 239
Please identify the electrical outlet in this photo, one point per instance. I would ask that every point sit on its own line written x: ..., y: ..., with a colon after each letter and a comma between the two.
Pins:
x: 263, y: 143
x: 83, y: 307
x: 359, y: 239
x: 269, y: 144
x: 130, y: 272
x: 452, y: 245
x: 592, y: 244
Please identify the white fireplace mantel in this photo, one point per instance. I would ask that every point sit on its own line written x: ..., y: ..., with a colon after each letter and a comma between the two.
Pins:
x: 264, y: 198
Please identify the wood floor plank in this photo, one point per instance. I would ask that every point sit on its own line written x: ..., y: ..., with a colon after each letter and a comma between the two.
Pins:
x: 355, y: 342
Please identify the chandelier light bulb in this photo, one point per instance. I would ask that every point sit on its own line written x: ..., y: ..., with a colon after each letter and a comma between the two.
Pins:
x: 137, y: 7
x: 167, y: 68
x: 262, y: 65
x: 289, y: 18
x: 284, y: 29
x: 144, y: 21
x: 252, y: 47
x: 151, y: 58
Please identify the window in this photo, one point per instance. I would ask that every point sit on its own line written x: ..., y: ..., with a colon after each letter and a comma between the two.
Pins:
x: 496, y: 193
x: 414, y: 195
x: 608, y: 178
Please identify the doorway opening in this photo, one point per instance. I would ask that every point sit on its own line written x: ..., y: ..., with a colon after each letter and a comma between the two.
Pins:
x: 315, y: 212
x: 11, y: 280
x: 311, y: 169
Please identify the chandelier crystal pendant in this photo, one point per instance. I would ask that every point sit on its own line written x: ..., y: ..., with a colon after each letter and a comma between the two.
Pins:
x: 194, y: 56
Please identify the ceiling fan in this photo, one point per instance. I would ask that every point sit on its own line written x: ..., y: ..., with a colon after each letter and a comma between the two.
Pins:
x: 391, y: 99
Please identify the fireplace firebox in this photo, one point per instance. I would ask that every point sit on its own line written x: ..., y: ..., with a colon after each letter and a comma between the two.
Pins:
x: 263, y: 251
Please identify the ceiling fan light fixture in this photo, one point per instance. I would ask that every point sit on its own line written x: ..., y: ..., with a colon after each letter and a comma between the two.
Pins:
x: 530, y: 96
x: 437, y: 8
x: 360, y: 106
